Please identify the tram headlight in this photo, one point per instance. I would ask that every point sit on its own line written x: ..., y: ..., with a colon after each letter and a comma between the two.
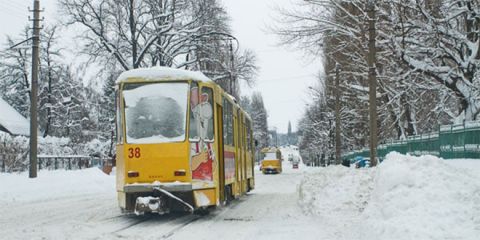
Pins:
x: 133, y: 174
x: 180, y: 172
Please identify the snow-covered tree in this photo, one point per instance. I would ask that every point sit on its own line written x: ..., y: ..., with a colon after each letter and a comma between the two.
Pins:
x: 15, y: 67
x: 178, y: 33
x: 440, y: 39
x: 259, y: 117
x: 128, y: 34
x: 426, y: 68
x: 289, y: 133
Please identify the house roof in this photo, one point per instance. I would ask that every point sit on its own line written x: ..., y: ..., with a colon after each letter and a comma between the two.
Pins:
x: 11, y: 121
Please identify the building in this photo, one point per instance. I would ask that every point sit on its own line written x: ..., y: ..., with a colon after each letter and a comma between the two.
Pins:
x: 11, y: 121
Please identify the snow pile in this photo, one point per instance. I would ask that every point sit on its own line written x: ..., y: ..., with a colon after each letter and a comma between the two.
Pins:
x: 405, y: 197
x: 335, y: 192
x: 423, y: 198
x: 18, y: 188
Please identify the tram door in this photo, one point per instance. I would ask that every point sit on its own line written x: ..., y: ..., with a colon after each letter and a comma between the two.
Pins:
x: 221, y: 162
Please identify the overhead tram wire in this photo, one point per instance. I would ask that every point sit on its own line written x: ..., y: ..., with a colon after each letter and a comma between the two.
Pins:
x: 15, y: 12
x: 15, y: 6
x: 288, y: 77
x: 18, y: 3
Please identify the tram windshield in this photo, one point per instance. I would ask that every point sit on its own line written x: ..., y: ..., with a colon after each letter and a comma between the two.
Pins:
x: 155, y: 112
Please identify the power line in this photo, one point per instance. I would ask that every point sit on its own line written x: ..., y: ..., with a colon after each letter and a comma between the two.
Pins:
x: 15, y: 13
x: 12, y: 14
x: 17, y: 3
x: 14, y: 7
x: 13, y: 10
x: 288, y: 77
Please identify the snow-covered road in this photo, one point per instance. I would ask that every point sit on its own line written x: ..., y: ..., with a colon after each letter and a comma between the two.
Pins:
x: 404, y: 198
x: 268, y: 212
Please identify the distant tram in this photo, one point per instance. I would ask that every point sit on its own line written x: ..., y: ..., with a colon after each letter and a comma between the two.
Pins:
x: 272, y: 160
x: 183, y: 143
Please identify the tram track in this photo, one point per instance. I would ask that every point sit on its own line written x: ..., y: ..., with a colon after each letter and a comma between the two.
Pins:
x: 130, y: 225
x: 180, y: 227
x: 167, y: 225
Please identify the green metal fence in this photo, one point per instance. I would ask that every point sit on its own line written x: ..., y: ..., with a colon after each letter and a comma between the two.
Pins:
x: 451, y: 141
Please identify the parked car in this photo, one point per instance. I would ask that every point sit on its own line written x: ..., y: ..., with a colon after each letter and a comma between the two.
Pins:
x: 361, y: 162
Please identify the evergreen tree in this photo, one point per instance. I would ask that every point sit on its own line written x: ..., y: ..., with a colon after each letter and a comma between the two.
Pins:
x: 289, y: 133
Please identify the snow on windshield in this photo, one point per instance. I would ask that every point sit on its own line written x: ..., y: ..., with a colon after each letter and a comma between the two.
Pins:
x: 155, y: 113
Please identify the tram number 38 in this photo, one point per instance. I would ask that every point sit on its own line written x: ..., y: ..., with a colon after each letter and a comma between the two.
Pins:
x: 134, y: 152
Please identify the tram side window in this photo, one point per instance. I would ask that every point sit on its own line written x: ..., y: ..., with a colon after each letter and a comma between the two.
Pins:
x: 241, y: 135
x: 249, y: 134
x: 207, y: 112
x: 227, y: 122
x: 118, y: 125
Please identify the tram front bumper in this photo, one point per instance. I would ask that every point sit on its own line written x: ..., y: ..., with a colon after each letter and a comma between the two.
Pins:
x: 149, y: 204
x: 141, y: 198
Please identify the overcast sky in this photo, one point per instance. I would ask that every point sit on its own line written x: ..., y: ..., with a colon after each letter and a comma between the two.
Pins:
x: 284, y: 74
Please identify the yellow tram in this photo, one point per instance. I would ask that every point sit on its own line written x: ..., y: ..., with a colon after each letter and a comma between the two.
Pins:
x: 272, y: 160
x: 183, y: 143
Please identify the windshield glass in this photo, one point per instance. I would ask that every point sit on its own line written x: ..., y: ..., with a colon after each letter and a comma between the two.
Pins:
x: 155, y: 112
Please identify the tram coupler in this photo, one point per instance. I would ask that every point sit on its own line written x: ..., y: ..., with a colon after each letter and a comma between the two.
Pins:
x: 168, y: 194
x: 150, y: 205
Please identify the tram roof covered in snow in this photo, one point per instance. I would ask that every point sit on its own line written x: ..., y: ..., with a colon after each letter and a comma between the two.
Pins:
x: 11, y: 121
x: 161, y: 73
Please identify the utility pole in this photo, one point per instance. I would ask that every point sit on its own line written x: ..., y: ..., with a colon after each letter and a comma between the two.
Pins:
x: 372, y: 81
x: 276, y: 138
x: 338, y: 143
x: 232, y: 77
x: 34, y: 91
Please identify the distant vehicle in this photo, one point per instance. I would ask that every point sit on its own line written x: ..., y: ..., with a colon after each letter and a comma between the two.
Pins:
x: 272, y: 161
x: 346, y: 162
x: 361, y: 162
x: 295, y: 165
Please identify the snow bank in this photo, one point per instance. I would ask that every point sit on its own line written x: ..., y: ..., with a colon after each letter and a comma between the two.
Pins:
x: 18, y: 188
x: 423, y: 198
x: 335, y: 192
x: 405, y: 197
